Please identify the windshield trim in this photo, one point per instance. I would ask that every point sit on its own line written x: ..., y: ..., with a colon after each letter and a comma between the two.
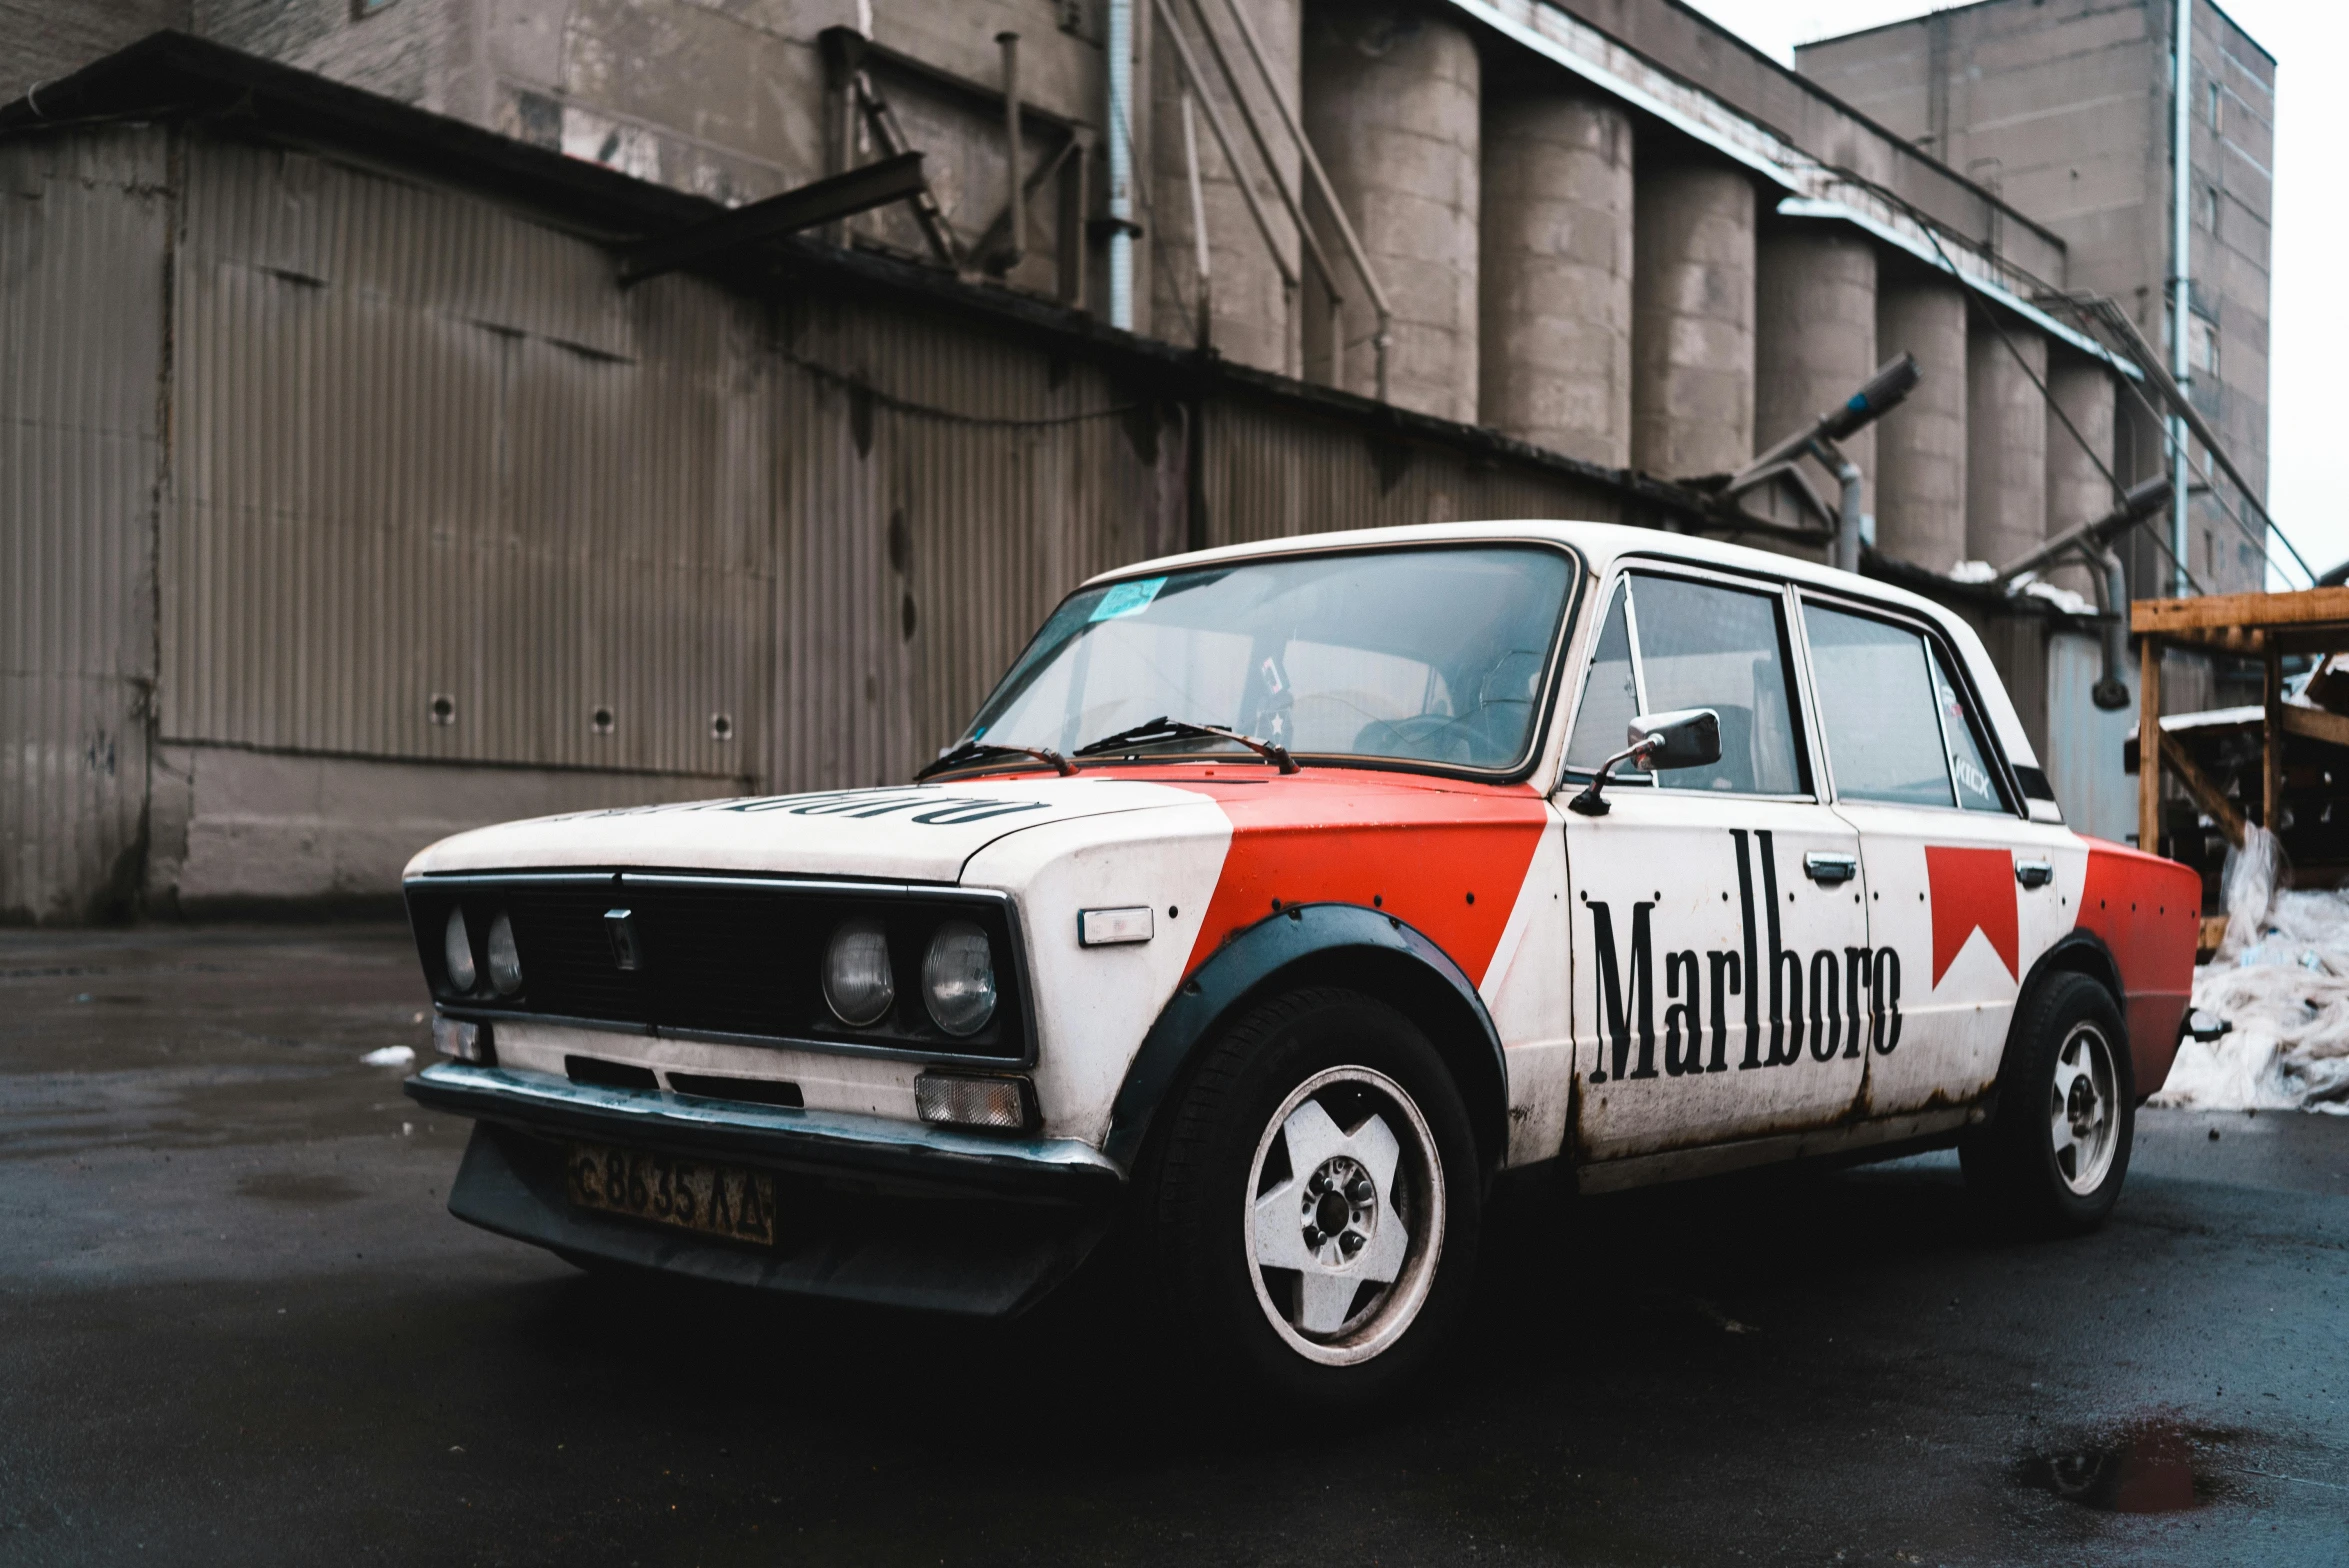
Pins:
x: 1538, y: 734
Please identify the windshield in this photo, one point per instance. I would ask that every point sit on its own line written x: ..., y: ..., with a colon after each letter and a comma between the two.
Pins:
x: 1431, y: 655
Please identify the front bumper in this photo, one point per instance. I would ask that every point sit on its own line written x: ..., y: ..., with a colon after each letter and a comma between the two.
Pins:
x: 873, y: 1210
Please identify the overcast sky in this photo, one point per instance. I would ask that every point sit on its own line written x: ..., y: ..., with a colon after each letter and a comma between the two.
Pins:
x: 2310, y: 331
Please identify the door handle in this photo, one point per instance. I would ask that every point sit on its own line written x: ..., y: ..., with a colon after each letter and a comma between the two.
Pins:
x: 1830, y: 870
x: 2034, y: 873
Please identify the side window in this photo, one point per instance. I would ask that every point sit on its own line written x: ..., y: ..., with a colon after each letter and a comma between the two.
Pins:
x: 1895, y: 726
x: 1976, y: 791
x: 1610, y: 695
x: 1671, y: 643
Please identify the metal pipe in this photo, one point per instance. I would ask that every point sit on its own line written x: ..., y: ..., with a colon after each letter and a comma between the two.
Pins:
x: 1197, y: 82
x: 1329, y: 198
x: 1121, y: 164
x: 1198, y: 222
x: 2181, y: 271
x: 2141, y: 501
x: 1847, y: 522
x: 2112, y: 692
x: 1289, y: 199
x: 1015, y: 196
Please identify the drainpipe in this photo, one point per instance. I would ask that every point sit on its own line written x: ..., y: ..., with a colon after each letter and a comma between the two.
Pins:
x: 1202, y: 258
x: 2112, y: 692
x: 1015, y: 159
x: 2181, y: 272
x: 1121, y: 164
x: 1847, y: 522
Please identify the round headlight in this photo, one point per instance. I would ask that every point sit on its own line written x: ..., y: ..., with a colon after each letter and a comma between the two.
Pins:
x: 857, y: 982
x: 958, y: 978
x: 456, y: 952
x: 505, y: 961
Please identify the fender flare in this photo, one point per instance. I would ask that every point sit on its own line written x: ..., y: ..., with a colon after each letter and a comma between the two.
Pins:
x: 2078, y: 951
x: 1315, y: 937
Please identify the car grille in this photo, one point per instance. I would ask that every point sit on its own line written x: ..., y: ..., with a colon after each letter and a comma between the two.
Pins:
x: 729, y: 959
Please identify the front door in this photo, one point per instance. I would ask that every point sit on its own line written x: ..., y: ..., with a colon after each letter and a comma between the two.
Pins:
x: 1719, y: 929
x: 1962, y: 889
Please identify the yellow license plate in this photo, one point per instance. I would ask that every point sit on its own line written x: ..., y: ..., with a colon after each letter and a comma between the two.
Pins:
x: 716, y: 1200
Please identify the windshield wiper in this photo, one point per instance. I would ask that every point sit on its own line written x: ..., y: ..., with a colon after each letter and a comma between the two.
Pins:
x: 973, y: 750
x: 1164, y: 728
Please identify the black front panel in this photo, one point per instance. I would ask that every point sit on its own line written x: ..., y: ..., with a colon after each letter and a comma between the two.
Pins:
x: 723, y: 958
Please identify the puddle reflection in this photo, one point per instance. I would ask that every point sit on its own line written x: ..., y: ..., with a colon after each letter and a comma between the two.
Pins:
x: 2156, y: 1465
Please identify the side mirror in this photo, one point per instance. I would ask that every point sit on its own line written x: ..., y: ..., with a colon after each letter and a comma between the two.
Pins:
x: 1683, y: 738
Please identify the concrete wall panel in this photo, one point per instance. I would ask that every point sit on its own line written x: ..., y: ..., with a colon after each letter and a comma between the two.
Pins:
x: 1392, y: 104
x: 2006, y: 442
x: 1921, y: 445
x: 1255, y: 319
x: 1692, y: 341
x: 2080, y: 400
x: 242, y: 831
x: 1814, y: 334
x: 1555, y: 274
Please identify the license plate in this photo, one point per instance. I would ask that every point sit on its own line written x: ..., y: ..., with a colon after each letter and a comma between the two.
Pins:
x: 716, y: 1200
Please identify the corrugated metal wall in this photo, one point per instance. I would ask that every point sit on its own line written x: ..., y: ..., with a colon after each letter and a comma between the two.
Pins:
x: 942, y: 488
x: 81, y: 350
x: 1275, y: 469
x: 2084, y: 742
x: 426, y: 448
x: 422, y: 445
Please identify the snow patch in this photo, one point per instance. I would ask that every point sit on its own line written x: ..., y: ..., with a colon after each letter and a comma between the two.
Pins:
x: 2280, y: 983
x: 390, y: 1056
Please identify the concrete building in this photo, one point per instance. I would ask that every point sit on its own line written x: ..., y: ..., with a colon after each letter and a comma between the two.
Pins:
x: 2064, y: 109
x: 361, y: 487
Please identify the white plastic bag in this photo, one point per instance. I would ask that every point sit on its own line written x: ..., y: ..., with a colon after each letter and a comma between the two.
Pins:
x: 2247, y: 888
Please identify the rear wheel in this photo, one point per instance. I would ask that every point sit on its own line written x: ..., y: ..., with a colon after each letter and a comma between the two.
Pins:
x: 2056, y: 1149
x: 1313, y: 1218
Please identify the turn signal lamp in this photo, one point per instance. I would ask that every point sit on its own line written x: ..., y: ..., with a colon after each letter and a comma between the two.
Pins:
x: 999, y: 1104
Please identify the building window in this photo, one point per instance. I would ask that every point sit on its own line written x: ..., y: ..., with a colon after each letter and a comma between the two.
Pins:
x: 2202, y: 347
x: 2217, y: 109
x: 2209, y: 205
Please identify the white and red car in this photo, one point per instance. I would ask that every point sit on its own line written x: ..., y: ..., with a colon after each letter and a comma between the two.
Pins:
x: 1282, y: 896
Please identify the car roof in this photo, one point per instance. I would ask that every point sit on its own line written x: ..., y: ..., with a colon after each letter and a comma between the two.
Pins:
x: 1602, y: 545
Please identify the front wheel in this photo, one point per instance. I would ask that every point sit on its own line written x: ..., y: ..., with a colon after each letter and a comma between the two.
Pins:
x: 2056, y: 1149
x: 1314, y: 1214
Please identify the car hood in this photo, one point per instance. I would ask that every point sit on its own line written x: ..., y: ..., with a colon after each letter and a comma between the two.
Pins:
x: 919, y: 833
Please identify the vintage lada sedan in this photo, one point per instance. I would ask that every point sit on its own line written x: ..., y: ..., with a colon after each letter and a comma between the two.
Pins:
x: 1277, y: 901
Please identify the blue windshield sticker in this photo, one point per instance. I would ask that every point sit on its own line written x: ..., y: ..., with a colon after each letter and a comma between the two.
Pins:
x: 1127, y: 599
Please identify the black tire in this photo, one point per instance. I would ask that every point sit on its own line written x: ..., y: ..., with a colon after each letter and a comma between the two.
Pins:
x: 2014, y: 1162
x: 1224, y: 1167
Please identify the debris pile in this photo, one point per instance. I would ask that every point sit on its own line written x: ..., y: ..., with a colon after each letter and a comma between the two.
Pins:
x: 2270, y: 1020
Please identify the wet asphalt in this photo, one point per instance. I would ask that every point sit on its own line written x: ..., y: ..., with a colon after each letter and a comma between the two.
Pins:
x: 236, y: 1326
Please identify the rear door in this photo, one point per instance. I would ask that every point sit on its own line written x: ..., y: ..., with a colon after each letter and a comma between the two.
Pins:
x: 1962, y: 887
x: 1716, y: 911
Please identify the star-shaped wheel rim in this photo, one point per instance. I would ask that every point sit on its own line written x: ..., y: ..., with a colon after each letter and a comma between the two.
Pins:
x: 1330, y: 1280
x: 2080, y: 1111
